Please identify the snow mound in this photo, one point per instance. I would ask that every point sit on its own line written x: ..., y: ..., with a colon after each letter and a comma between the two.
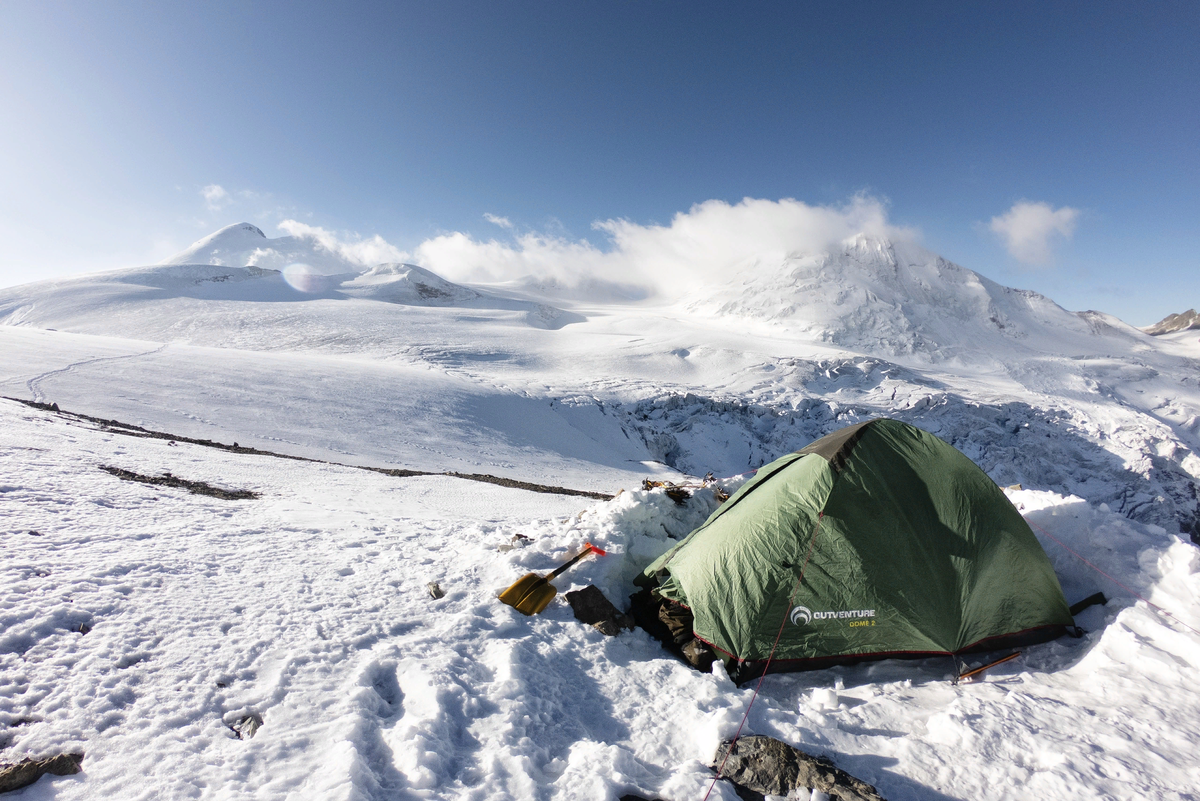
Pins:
x: 407, y: 283
x: 897, y: 298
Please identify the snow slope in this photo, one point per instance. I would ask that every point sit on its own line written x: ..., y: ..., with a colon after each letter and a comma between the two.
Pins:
x: 897, y: 298
x: 308, y: 605
x: 790, y: 348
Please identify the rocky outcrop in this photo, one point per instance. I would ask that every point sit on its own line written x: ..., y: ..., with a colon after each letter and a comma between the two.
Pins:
x: 26, y: 772
x: 1174, y: 322
x: 591, y: 607
x: 771, y: 767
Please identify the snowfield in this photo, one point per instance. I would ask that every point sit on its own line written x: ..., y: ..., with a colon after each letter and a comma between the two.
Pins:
x: 140, y: 622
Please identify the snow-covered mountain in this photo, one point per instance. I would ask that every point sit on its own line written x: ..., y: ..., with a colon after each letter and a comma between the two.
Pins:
x: 138, y: 622
x: 872, y: 323
x: 897, y: 298
x: 245, y: 245
x: 204, y: 289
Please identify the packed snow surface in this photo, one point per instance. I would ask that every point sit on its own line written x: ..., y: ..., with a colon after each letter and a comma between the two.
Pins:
x: 140, y: 622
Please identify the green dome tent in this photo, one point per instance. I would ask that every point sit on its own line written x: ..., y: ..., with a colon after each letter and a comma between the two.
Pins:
x: 879, y: 540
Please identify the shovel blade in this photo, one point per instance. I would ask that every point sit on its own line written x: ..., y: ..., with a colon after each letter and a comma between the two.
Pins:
x: 529, y: 594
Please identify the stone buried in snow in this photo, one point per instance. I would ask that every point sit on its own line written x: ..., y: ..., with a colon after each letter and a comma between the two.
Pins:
x: 247, y: 726
x: 591, y: 607
x: 26, y: 772
x: 772, y: 767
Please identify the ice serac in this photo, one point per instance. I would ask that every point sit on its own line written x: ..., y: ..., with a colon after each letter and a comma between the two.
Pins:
x: 1175, y: 322
x: 897, y: 298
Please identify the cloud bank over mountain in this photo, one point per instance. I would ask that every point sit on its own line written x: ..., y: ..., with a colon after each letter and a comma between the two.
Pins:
x: 702, y: 243
x: 353, y: 248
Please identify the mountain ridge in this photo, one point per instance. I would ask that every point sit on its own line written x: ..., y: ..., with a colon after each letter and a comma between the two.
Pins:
x: 871, y: 327
x: 1184, y: 321
x: 897, y: 298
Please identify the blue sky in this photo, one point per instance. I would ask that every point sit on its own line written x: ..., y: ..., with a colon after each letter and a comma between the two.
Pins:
x: 411, y: 120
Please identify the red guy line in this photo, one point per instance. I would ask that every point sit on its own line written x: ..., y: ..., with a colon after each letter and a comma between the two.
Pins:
x: 811, y: 545
x: 1147, y: 601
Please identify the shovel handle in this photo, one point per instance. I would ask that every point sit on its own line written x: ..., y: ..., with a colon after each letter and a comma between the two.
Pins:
x: 587, y: 548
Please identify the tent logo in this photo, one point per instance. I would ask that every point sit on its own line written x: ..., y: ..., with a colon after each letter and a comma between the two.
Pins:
x: 802, y: 616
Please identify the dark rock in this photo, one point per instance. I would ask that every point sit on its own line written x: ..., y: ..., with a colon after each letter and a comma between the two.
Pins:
x: 772, y: 767
x: 746, y: 794
x: 591, y: 607
x: 168, y: 480
x: 435, y: 590
x: 26, y: 772
x: 1174, y: 322
x: 247, y: 726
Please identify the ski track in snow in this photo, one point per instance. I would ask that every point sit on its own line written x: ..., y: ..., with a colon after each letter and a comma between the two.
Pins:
x: 34, y: 383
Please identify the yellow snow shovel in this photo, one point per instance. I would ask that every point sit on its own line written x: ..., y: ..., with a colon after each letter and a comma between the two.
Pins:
x: 531, y: 593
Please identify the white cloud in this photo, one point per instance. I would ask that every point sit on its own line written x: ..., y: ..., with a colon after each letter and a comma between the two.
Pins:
x: 215, y: 197
x: 1028, y: 230
x: 352, y: 247
x: 703, y: 243
x: 503, y: 222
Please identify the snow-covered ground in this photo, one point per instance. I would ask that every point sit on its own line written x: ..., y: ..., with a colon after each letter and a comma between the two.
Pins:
x: 308, y: 605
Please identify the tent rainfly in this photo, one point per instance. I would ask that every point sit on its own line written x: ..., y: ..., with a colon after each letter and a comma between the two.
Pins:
x: 878, y: 540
